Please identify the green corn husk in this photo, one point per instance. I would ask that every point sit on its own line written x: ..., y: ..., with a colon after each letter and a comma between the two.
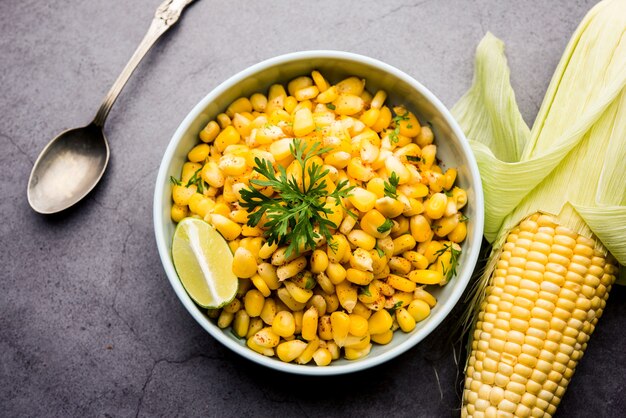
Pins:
x: 572, y: 163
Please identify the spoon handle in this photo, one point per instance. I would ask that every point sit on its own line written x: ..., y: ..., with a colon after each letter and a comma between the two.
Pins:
x: 166, y: 16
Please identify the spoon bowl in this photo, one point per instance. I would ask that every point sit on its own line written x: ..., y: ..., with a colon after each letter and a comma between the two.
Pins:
x: 71, y: 165
x: 67, y: 169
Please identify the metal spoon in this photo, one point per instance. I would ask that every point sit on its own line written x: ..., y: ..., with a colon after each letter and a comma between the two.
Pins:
x: 71, y: 165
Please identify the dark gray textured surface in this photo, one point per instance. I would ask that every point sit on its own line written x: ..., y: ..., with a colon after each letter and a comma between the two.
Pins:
x: 89, y: 325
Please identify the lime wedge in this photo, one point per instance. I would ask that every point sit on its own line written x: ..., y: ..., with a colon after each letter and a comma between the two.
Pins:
x: 203, y: 262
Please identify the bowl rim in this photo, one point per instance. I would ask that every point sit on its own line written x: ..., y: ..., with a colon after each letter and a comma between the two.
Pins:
x: 461, y: 280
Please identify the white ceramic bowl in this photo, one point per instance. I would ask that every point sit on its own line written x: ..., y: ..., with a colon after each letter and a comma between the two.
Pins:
x: 453, y: 150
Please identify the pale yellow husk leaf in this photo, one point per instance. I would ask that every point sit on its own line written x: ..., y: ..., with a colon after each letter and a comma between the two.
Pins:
x: 572, y: 164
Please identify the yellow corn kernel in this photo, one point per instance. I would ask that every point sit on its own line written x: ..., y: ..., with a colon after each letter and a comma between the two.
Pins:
x: 426, y: 276
x: 348, y: 223
x: 370, y: 116
x: 420, y: 228
x: 362, y: 239
x: 379, y: 99
x: 377, y: 186
x: 244, y: 263
x: 188, y: 171
x: 210, y: 132
x: 361, y: 310
x: 417, y: 260
x: 329, y: 95
x: 369, y: 294
x: 435, y: 205
x: 261, y: 285
x: 386, y: 246
x: 309, y: 351
x: 258, y: 102
x: 347, y: 295
x: 400, y: 265
x: 241, y: 323
x: 389, y: 207
x: 425, y: 137
x: 239, y: 215
x: 199, y: 153
x: 459, y: 233
x: 357, y: 343
x: 400, y: 283
x: 403, y: 243
x: 322, y: 357
x: 242, y: 124
x: 319, y: 261
x: 317, y: 301
x: 267, y: 250
x: 297, y: 317
x: 284, y: 295
x: 429, y: 153
x: 338, y: 159
x: 243, y: 286
x: 324, y: 328
x: 228, y: 136
x: 449, y: 178
x: 405, y: 320
x: 325, y: 284
x: 266, y: 351
x: 422, y: 294
x: 309, y: 324
x: 357, y: 170
x: 212, y: 174
x: 382, y: 338
x: 240, y: 105
x: 460, y: 197
x: 336, y: 211
x: 298, y: 83
x: 408, y: 123
x: 284, y: 324
x: 340, y: 326
x: 268, y: 274
x: 297, y: 293
x: 384, y: 119
x: 432, y: 250
x: 290, y: 104
x: 268, y: 313
x: 336, y: 273
x: 290, y: 350
x: 201, y: 204
x: 266, y: 338
x: 182, y: 194
x: 280, y: 148
x: 443, y: 226
x: 348, y: 104
x: 256, y: 324
x: 225, y: 319
x: 361, y: 259
x: 351, y: 85
x: 418, y: 309
x: 359, y: 327
x: 319, y: 80
x: 355, y: 354
x: 303, y: 123
x: 359, y: 277
x: 253, y: 302
x: 380, y: 322
x: 232, y: 165
x: 332, y: 302
x: 291, y: 268
x: 375, y: 224
x: 306, y: 93
x: 337, y: 248
x: 178, y: 213
x: 229, y: 229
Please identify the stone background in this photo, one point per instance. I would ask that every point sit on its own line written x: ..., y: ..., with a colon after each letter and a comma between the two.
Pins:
x: 89, y: 325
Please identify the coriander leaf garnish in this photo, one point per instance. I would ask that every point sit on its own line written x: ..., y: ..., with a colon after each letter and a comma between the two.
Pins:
x: 197, y: 180
x: 454, y: 260
x: 393, y: 136
x: 395, y: 307
x: 390, y: 186
x: 330, y: 106
x: 380, y: 252
x: 386, y: 226
x: 463, y: 218
x: 365, y: 290
x: 295, y: 211
x: 175, y: 181
x: 413, y: 158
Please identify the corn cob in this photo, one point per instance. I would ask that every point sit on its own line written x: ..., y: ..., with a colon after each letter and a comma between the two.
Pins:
x: 554, y: 208
x: 546, y: 293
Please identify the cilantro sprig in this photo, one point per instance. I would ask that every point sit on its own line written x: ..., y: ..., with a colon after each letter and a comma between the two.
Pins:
x: 294, y: 212
x: 391, y: 185
x: 448, y: 273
